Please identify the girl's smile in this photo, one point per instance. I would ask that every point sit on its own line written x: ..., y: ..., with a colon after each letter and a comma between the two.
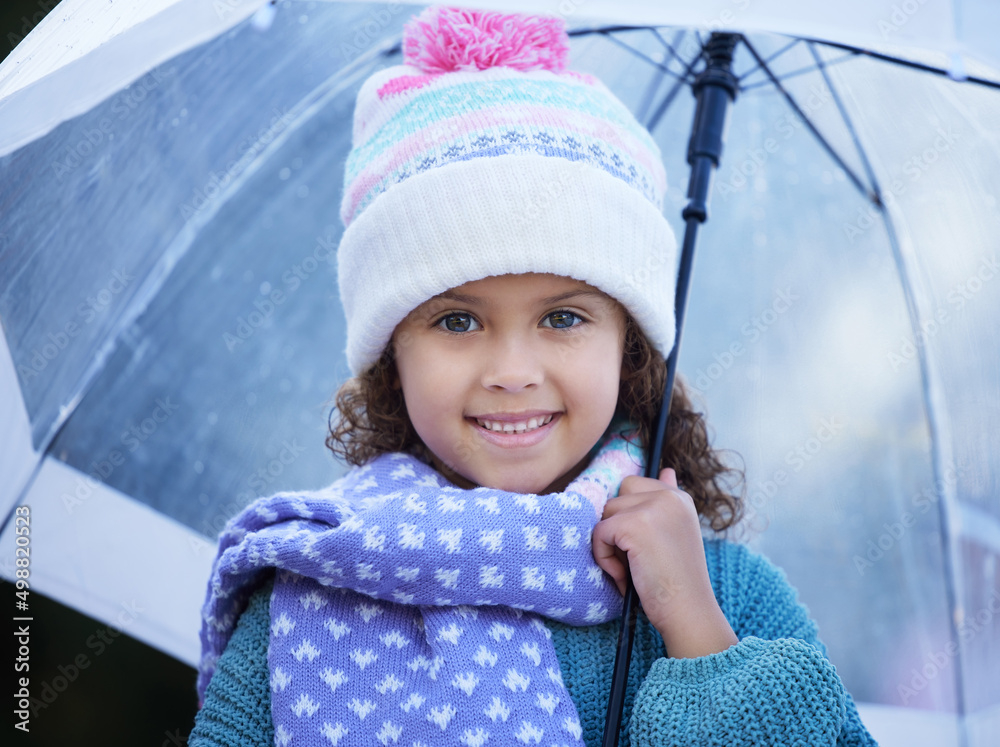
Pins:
x: 516, y: 430
x: 510, y: 380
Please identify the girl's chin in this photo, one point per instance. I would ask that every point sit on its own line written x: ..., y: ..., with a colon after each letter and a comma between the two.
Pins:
x: 514, y: 480
x: 537, y: 484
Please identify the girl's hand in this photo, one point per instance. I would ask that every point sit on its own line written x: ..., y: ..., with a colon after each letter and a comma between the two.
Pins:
x: 655, y: 526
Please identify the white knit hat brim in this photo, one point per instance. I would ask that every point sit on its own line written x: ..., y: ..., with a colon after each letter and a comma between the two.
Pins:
x: 509, y: 214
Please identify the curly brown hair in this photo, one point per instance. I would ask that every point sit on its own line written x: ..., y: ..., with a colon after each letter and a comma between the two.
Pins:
x: 373, y: 420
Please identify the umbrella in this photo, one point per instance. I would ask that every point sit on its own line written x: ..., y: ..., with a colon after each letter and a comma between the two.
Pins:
x: 171, y: 333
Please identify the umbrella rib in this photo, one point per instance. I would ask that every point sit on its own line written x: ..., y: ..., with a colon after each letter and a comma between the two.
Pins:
x: 647, y: 98
x: 941, y: 460
x: 773, y: 57
x: 654, y: 82
x: 928, y: 380
x: 801, y: 71
x: 672, y: 93
x: 178, y: 247
x: 877, y: 196
x: 663, y: 68
x: 867, y: 192
x: 908, y: 63
x: 602, y: 29
x: 675, y: 55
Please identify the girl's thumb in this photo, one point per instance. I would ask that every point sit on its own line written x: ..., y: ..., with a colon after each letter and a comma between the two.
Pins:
x: 668, y: 476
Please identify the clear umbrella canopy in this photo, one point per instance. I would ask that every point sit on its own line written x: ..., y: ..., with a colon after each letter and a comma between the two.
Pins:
x: 173, y: 332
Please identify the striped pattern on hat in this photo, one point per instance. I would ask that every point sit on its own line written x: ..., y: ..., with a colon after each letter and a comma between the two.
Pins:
x: 479, y: 88
x: 447, y: 118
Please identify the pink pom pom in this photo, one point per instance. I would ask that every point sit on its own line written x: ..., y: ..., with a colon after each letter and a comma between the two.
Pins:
x: 442, y: 40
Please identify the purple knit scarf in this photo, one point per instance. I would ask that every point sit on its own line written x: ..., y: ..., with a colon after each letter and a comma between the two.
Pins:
x: 407, y: 611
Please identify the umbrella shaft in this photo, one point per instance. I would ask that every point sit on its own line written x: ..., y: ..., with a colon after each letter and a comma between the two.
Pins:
x: 715, y: 89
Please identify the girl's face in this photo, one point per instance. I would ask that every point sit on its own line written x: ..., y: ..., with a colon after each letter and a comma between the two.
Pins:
x: 512, y: 379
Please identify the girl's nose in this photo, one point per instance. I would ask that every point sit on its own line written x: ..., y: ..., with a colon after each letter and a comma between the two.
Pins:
x: 513, y: 364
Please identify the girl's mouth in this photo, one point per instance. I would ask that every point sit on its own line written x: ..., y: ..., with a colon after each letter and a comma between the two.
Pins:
x: 499, y: 426
x: 516, y: 434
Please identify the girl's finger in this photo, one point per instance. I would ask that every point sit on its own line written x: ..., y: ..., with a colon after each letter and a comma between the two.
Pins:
x: 607, y: 556
x: 634, y: 484
x: 669, y: 476
x: 618, y: 504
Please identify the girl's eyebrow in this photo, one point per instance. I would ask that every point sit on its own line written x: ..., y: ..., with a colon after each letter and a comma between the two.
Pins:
x: 459, y: 297
x: 573, y: 294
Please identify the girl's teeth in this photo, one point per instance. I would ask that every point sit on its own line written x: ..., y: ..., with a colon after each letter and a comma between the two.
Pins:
x: 501, y: 427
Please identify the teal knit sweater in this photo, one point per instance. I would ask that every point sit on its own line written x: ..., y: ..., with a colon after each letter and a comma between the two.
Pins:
x: 775, y: 687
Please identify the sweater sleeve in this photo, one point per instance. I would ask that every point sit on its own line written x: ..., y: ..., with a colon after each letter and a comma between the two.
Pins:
x: 237, y: 707
x: 775, y: 687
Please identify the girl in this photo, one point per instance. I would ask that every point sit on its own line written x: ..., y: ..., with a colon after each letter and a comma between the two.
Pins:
x: 507, y: 278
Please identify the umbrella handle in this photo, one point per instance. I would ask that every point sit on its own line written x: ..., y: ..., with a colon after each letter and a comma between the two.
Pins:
x: 619, y: 676
x: 715, y: 89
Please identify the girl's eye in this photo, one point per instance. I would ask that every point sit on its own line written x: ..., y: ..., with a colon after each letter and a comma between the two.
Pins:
x: 457, y: 322
x: 563, y: 319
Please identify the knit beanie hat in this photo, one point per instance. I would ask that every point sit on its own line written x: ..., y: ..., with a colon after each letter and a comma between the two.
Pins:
x: 483, y: 155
